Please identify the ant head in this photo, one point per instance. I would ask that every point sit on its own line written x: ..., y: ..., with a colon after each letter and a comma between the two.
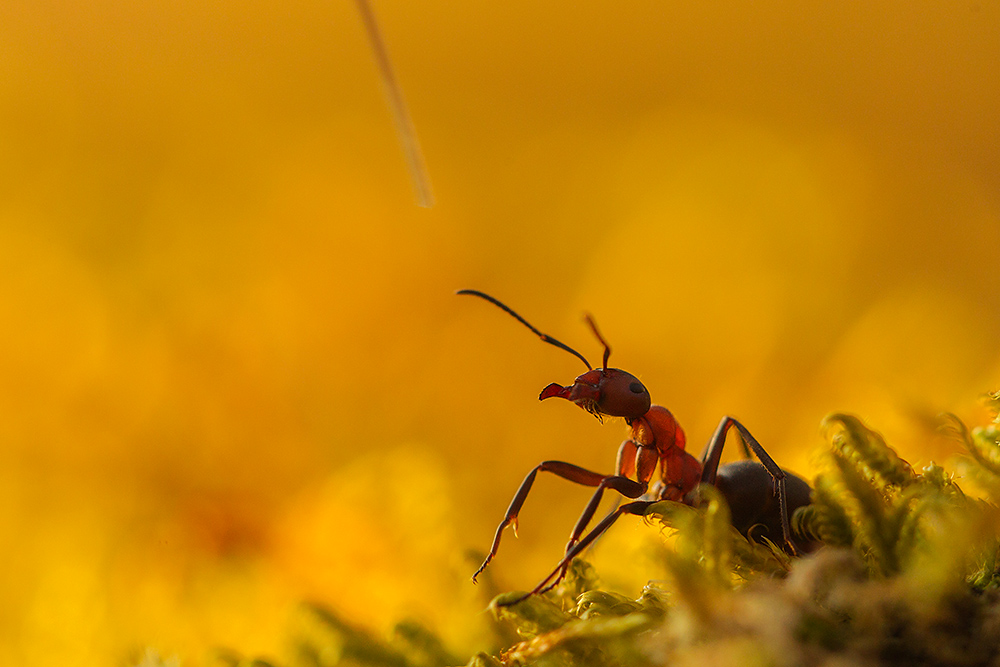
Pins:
x: 608, y: 391
x: 602, y: 392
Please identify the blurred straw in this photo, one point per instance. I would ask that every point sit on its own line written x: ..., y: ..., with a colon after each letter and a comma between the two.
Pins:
x: 400, y: 114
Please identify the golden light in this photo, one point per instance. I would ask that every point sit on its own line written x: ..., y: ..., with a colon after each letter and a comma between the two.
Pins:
x: 234, y: 375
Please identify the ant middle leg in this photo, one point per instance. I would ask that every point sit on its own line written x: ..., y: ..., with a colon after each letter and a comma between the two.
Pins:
x: 623, y: 485
x: 638, y: 508
x: 640, y: 461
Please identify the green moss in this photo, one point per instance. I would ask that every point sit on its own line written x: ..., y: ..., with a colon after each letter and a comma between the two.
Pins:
x: 909, y: 574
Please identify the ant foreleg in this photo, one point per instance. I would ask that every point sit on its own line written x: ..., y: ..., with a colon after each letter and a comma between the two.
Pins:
x: 710, y: 467
x: 638, y: 508
x: 567, y: 471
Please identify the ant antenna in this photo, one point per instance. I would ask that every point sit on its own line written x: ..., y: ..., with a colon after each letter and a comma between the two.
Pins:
x: 545, y: 337
x: 607, y: 348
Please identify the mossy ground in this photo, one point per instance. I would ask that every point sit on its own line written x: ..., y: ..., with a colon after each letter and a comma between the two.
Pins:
x: 909, y: 575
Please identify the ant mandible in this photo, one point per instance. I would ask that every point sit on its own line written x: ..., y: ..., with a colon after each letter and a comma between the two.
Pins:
x: 758, y: 494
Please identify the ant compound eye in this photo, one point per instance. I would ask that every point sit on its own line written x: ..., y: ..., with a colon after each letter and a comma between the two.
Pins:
x: 637, y: 388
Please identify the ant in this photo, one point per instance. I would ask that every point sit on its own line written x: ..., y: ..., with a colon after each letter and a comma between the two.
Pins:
x: 758, y: 494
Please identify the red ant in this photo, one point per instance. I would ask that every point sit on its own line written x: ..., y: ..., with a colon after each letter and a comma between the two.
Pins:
x: 655, y: 438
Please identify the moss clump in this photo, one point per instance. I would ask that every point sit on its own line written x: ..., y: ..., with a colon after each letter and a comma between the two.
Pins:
x: 910, y: 575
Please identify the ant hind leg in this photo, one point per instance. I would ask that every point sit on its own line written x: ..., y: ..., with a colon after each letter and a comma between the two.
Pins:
x: 713, y: 454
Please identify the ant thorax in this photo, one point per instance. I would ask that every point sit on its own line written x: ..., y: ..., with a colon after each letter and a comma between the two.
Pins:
x: 658, y: 428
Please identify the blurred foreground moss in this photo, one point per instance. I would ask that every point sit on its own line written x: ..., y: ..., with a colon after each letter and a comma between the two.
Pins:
x: 909, y: 574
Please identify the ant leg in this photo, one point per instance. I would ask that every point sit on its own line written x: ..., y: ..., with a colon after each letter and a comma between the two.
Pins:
x: 713, y: 454
x: 625, y: 460
x: 631, y: 458
x: 567, y: 471
x: 624, y: 466
x: 638, y: 508
x: 623, y: 485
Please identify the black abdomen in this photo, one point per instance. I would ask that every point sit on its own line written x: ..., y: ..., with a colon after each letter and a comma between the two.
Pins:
x: 749, y: 489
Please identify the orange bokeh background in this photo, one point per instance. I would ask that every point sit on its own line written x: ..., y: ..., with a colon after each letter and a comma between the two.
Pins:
x: 234, y: 374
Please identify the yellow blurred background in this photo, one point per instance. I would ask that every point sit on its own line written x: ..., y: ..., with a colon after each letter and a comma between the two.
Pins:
x: 233, y: 374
